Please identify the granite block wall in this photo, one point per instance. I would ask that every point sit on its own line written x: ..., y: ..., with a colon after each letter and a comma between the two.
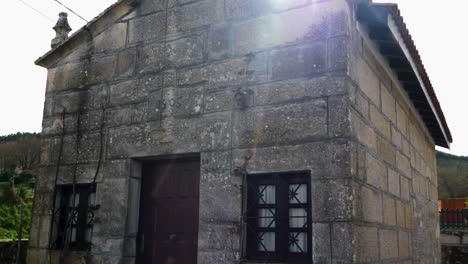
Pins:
x: 256, y: 86
x: 396, y: 181
x: 261, y: 85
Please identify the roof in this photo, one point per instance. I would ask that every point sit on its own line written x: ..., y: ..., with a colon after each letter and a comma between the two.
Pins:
x: 91, y: 29
x: 387, y: 28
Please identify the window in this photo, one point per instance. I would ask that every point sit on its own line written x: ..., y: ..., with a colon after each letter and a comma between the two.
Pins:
x: 74, y: 216
x: 278, y: 217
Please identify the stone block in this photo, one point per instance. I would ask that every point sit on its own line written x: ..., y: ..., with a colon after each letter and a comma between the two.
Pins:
x: 151, y: 58
x: 389, y: 212
x: 321, y: 243
x: 337, y: 49
x: 147, y: 27
x: 293, y: 62
x: 362, y: 105
x: 397, y: 138
x: 130, y: 248
x: 363, y: 132
x: 331, y: 200
x: 106, y: 245
x: 380, y: 122
x: 220, y: 101
x: 151, y: 6
x: 266, y: 32
x: 230, y: 257
x: 402, y: 120
x: 213, y: 163
x: 315, y: 157
x: 129, y: 114
x: 185, y: 51
x: 44, y: 231
x: 243, y: 9
x: 218, y: 237
x: 110, y: 218
x: 339, y: 116
x: 386, y: 150
x: 127, y: 92
x: 157, y: 138
x: 51, y: 150
x: 133, y: 212
x: 220, y: 196
x: 102, y: 69
x: 96, y: 97
x: 113, y: 38
x: 400, y: 213
x: 43, y: 203
x: 405, y: 188
x: 376, y: 173
x: 181, y: 102
x: 388, y: 244
x: 72, y: 102
x: 126, y: 63
x: 299, y: 89
x: 403, y: 164
x: 403, y: 244
x: 291, y: 123
x: 368, y: 81
x: 195, y: 15
x: 406, y: 147
x: 45, y: 179
x: 220, y: 42
x: 388, y: 104
x: 366, y: 244
x: 67, y: 77
x: 339, y: 159
x: 35, y: 227
x: 250, y: 69
x: 116, y: 169
x: 371, y: 202
x: 83, y: 173
x: 89, y: 147
x: 214, y: 132
x: 342, y: 242
x: 393, y: 182
x: 408, y: 215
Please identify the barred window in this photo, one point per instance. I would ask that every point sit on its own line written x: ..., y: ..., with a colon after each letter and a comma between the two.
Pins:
x: 278, y: 217
x: 74, y: 216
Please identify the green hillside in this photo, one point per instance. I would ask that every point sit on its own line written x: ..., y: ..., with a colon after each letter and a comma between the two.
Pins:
x: 453, y: 176
x: 19, y: 157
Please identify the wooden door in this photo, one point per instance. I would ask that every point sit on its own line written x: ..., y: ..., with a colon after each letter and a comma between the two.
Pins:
x: 168, y: 231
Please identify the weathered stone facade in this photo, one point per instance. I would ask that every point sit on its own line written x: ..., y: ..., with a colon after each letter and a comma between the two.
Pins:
x: 261, y: 86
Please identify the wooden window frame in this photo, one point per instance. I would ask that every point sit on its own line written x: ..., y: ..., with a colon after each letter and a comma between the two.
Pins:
x: 282, y: 206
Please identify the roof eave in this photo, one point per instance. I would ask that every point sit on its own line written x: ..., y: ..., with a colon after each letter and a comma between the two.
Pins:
x: 87, y: 32
x: 389, y: 28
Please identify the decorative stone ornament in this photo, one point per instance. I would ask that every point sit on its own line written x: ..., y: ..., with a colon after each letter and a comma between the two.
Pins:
x: 62, y: 28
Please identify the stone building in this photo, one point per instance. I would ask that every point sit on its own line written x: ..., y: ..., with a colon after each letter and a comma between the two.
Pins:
x: 238, y: 131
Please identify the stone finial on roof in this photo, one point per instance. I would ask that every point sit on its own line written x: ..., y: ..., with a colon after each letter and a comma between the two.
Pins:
x: 62, y: 28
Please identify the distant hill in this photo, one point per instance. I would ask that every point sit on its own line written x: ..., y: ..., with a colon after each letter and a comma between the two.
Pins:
x: 453, y: 175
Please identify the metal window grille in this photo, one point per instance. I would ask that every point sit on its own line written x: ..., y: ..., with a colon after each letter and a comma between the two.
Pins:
x: 73, y: 217
x: 277, y: 217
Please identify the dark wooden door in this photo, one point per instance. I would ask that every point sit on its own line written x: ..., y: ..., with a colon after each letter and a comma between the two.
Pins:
x: 168, y: 231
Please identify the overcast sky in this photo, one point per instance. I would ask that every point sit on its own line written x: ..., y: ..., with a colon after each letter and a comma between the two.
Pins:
x: 439, y: 29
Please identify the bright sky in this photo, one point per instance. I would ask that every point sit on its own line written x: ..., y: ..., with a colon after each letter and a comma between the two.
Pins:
x: 438, y: 29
